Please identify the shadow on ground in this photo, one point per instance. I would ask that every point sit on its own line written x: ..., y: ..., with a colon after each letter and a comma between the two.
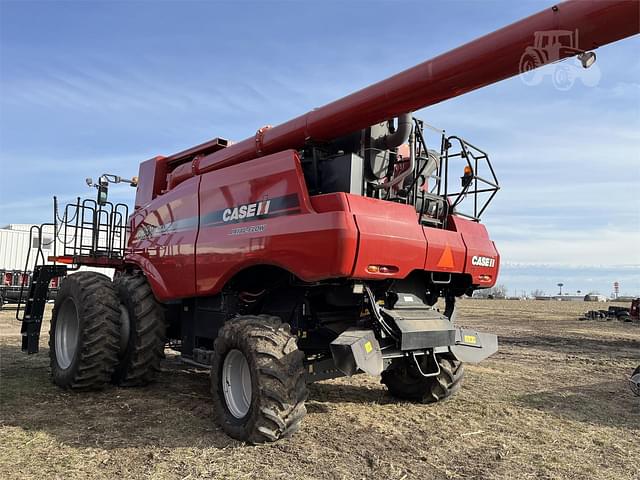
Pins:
x: 609, y: 404
x: 575, y: 344
x: 176, y: 411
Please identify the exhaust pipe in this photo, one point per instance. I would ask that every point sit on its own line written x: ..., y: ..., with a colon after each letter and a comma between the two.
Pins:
x: 400, y: 136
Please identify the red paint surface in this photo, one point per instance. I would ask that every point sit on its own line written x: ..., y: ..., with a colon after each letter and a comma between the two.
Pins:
x: 154, y: 172
x: 167, y: 257
x: 186, y: 248
x: 477, y: 242
x: 311, y: 245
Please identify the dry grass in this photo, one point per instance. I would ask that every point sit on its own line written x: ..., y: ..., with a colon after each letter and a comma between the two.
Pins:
x: 553, y: 403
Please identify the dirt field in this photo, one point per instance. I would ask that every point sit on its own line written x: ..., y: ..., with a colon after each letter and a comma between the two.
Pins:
x: 553, y: 403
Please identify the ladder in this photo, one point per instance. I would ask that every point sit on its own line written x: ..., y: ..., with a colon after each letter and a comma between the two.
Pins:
x: 35, y: 303
x: 33, y: 307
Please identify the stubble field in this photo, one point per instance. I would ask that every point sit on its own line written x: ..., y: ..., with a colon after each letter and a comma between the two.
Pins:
x: 554, y: 402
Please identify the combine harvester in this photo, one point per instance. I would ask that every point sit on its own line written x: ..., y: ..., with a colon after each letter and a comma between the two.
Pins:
x: 313, y: 249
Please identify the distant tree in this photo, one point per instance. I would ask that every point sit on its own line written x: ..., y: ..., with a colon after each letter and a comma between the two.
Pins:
x: 537, y: 293
x: 499, y: 291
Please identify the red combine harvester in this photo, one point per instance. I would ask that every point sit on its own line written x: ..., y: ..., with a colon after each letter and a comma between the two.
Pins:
x: 313, y: 249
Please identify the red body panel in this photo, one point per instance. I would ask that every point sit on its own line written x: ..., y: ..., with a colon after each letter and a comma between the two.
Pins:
x: 445, y: 251
x: 154, y: 173
x: 389, y: 235
x: 478, y: 244
x: 163, y: 238
x: 260, y: 213
x: 312, y: 245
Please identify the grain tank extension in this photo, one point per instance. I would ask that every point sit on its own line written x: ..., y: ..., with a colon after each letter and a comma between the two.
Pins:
x: 313, y: 249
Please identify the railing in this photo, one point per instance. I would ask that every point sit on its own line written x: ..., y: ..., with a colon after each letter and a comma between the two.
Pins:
x: 432, y: 188
x: 85, y: 233
x: 39, y: 260
x: 89, y: 229
x: 473, y: 185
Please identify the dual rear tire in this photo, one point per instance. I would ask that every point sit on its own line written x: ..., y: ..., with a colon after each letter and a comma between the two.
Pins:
x: 105, y: 332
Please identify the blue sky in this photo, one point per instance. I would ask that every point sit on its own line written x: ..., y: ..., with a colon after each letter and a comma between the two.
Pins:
x: 92, y: 87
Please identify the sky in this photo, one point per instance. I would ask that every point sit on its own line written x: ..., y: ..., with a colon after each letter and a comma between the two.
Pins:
x: 90, y: 87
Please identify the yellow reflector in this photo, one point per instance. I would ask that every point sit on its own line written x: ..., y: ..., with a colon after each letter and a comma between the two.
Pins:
x: 368, y: 347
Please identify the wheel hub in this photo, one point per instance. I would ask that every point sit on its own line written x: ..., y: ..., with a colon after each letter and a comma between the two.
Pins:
x: 67, y: 330
x: 236, y: 383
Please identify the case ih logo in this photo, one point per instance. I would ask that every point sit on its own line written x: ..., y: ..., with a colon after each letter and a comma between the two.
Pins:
x: 274, y: 207
x: 483, y: 261
x: 246, y: 211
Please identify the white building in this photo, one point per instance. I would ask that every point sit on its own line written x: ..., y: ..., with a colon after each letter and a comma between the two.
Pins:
x: 19, y: 241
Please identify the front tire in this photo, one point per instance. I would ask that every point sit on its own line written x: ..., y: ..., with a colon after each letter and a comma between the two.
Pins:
x: 258, y: 379
x: 404, y: 381
x: 85, y: 324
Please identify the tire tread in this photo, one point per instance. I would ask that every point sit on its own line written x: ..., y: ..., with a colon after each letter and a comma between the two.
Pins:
x: 97, y: 352
x: 279, y: 408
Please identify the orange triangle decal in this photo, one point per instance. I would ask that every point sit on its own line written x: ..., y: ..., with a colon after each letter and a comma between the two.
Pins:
x: 446, y: 260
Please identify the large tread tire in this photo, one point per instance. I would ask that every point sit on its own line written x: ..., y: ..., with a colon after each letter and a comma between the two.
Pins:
x: 278, y: 383
x: 140, y: 353
x: 405, y: 382
x: 96, y: 349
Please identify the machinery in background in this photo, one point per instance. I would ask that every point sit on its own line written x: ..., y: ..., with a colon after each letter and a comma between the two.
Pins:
x: 615, y: 312
x: 13, y: 281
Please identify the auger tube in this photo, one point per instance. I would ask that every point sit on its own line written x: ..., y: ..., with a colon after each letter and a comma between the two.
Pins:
x: 479, y: 63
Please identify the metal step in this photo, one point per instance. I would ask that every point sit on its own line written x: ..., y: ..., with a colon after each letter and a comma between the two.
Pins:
x: 34, y: 306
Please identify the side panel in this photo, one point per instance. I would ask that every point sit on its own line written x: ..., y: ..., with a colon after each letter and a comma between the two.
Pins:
x: 151, y: 180
x: 446, y: 251
x: 483, y: 260
x: 389, y: 235
x: 162, y: 241
x: 259, y: 212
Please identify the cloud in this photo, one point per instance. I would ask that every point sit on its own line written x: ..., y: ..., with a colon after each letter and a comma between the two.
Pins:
x: 585, y: 278
x: 591, y: 247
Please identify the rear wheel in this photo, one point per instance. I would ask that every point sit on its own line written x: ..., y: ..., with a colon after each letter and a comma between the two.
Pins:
x: 142, y: 332
x: 85, y: 324
x: 404, y: 381
x: 257, y: 379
